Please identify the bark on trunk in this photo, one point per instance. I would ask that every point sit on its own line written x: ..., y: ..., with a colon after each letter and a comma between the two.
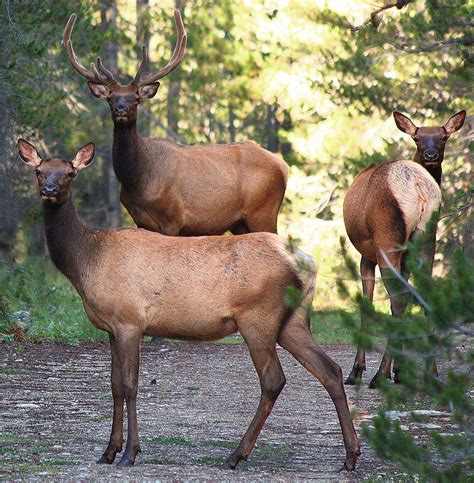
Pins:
x: 174, y: 85
x: 109, y: 15
x: 143, y: 38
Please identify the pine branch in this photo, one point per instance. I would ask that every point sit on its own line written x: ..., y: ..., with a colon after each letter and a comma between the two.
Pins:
x: 373, y: 16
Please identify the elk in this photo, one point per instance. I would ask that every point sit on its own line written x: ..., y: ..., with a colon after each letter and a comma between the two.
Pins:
x: 134, y: 282
x: 183, y: 190
x: 387, y: 206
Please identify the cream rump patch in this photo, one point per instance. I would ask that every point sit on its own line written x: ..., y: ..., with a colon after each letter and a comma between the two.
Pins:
x: 417, y: 193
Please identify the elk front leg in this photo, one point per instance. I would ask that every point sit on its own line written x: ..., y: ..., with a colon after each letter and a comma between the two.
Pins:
x: 128, y: 345
x: 367, y: 274
x: 116, y: 436
x: 272, y: 381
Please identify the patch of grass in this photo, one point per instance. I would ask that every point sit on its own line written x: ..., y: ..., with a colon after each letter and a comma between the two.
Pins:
x: 328, y: 327
x: 220, y: 443
x: 164, y: 461
x: 30, y: 468
x: 12, y: 438
x: 233, y: 339
x: 172, y: 441
x: 211, y: 460
x: 12, y: 371
x: 279, y: 453
x: 58, y: 462
x: 54, y: 307
x: 219, y: 421
x: 193, y: 388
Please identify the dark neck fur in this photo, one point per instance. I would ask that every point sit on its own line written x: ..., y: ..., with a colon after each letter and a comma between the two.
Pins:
x: 70, y: 241
x: 125, y: 152
x: 435, y: 170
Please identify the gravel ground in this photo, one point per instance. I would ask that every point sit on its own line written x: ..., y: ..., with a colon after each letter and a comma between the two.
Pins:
x: 195, y: 402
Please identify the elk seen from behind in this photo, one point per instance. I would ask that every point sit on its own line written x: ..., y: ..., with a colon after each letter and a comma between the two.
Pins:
x: 183, y: 190
x: 386, y: 207
x: 134, y: 282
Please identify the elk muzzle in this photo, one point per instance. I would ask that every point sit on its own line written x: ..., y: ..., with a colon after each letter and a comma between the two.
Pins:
x: 430, y: 155
x: 49, y: 190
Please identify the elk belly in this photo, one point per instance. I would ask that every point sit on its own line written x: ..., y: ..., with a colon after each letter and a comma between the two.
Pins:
x: 417, y: 193
x: 188, y: 323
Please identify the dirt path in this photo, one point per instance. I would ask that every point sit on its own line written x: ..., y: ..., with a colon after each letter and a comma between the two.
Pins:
x: 195, y: 402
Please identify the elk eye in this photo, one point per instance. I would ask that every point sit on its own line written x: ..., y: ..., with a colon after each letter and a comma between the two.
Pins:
x: 37, y: 171
x: 71, y: 174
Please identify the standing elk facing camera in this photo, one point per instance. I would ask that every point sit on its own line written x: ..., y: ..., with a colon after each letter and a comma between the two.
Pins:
x: 183, y: 190
x: 388, y: 205
x: 134, y: 282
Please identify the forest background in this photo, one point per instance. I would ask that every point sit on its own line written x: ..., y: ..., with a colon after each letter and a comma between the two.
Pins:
x: 315, y: 81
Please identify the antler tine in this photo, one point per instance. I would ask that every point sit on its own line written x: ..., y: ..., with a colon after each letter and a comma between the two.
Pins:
x: 143, y: 64
x: 103, y: 80
x: 103, y: 70
x: 67, y: 43
x: 178, y: 52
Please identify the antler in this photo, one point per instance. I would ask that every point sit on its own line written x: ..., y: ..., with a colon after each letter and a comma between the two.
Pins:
x: 100, y: 74
x: 175, y: 60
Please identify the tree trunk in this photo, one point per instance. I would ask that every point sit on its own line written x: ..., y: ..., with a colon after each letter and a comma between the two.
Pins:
x: 143, y: 39
x: 108, y: 10
x: 271, y: 129
x: 231, y: 124
x: 174, y: 85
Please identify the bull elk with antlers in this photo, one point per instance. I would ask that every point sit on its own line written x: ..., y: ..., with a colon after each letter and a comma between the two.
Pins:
x: 388, y: 205
x: 183, y: 190
x: 134, y: 282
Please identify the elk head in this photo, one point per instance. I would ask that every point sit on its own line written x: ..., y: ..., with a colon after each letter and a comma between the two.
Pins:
x: 54, y: 175
x: 123, y: 100
x: 430, y: 141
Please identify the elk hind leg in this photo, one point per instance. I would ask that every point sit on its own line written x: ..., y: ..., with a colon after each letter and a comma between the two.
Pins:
x: 367, y: 274
x: 398, y: 303
x: 272, y: 381
x: 297, y: 339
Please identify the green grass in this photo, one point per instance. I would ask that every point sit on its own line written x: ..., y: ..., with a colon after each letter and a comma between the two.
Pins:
x: 56, y: 310
x: 172, y: 441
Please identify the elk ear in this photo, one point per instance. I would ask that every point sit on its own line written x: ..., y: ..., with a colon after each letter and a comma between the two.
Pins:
x: 404, y: 123
x: 455, y: 122
x: 99, y: 90
x: 148, y: 91
x: 28, y: 153
x: 84, y: 156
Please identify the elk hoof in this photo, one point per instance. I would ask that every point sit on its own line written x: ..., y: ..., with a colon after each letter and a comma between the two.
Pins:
x: 353, y: 380
x: 228, y: 466
x: 105, y: 460
x: 125, y: 461
x: 355, y: 377
x: 377, y: 380
x: 230, y: 463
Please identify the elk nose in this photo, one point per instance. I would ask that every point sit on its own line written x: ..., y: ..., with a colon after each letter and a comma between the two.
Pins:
x: 431, y: 154
x: 49, y: 190
x: 121, y: 110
